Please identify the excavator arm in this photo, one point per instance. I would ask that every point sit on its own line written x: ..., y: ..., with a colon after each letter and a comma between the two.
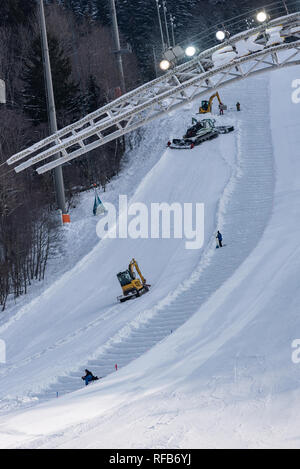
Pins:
x: 203, y: 110
x: 133, y: 264
x: 216, y: 95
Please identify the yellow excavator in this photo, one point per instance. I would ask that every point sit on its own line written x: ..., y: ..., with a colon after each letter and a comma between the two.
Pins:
x: 206, y: 106
x: 132, y: 287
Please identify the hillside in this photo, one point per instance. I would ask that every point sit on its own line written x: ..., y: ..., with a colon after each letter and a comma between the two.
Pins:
x: 223, y: 321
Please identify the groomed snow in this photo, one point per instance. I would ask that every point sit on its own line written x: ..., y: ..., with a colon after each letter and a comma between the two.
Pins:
x: 225, y: 377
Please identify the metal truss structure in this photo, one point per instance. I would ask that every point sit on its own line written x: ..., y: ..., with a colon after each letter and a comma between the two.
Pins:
x: 181, y: 85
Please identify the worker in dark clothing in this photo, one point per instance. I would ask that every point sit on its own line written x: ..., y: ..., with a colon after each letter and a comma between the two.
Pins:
x: 219, y: 239
x: 89, y: 377
x: 238, y: 106
x: 221, y: 109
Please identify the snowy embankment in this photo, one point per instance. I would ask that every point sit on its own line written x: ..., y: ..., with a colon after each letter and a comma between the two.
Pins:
x: 225, y: 377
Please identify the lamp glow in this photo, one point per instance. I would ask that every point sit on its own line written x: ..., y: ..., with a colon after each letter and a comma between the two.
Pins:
x: 220, y: 35
x: 165, y: 65
x: 261, y: 16
x: 190, y: 51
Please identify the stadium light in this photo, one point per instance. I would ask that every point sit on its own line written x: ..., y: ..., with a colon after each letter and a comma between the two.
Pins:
x: 170, y: 57
x: 190, y: 51
x: 164, y: 65
x: 261, y: 16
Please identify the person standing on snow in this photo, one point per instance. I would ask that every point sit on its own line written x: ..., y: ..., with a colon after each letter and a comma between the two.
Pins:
x: 238, y: 106
x: 221, y: 108
x: 219, y: 237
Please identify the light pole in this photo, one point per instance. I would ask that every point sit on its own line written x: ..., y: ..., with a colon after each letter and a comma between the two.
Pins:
x: 160, y: 25
x: 172, y: 21
x: 155, y: 60
x: 2, y: 92
x: 166, y: 21
x: 117, y: 45
x: 285, y: 6
x: 58, y: 174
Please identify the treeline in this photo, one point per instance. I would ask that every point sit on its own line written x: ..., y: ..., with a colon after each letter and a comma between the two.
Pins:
x: 85, y: 77
x: 139, y: 25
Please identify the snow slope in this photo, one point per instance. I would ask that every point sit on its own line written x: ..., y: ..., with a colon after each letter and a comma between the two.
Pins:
x: 229, y: 365
x: 77, y: 317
